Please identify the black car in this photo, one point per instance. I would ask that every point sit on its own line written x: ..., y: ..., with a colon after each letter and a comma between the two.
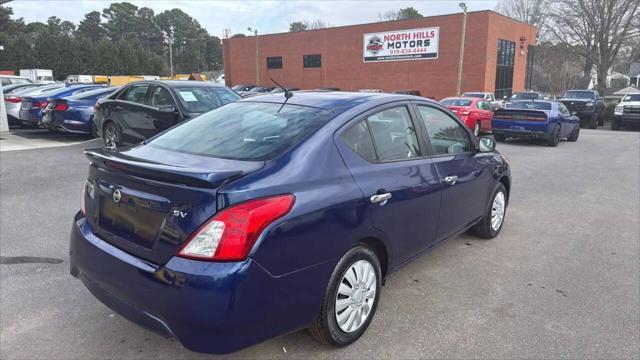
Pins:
x: 143, y: 109
x: 241, y: 88
x: 587, y: 104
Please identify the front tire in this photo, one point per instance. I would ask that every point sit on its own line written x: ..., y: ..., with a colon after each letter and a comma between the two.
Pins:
x: 615, y: 124
x: 574, y: 134
x: 351, y: 298
x: 491, y: 224
x: 593, y: 121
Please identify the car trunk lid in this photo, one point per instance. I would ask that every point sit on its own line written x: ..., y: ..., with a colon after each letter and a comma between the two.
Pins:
x: 147, y: 203
x: 521, y: 115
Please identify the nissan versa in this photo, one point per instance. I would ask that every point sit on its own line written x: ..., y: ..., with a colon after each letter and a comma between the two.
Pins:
x: 280, y: 212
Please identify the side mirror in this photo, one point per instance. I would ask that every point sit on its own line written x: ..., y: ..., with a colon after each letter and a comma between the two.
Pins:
x: 167, y: 109
x: 505, y: 97
x: 486, y: 144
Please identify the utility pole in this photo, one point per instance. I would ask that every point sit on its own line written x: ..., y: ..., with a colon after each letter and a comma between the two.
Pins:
x: 170, y: 37
x: 255, y: 31
x: 463, y: 6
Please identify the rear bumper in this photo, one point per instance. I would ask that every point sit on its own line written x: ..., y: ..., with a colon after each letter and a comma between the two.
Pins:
x: 208, y: 307
x: 57, y: 122
x: 521, y: 128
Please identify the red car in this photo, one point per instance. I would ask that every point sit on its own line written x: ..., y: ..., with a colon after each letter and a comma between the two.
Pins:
x: 475, y: 112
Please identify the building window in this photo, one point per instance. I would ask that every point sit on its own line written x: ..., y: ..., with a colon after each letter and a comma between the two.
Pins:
x: 530, y: 59
x: 504, y: 68
x: 312, y: 61
x: 274, y: 62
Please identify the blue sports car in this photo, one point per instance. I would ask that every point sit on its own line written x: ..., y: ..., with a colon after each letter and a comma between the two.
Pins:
x: 74, y: 114
x: 31, y: 107
x: 548, y: 120
x: 280, y: 212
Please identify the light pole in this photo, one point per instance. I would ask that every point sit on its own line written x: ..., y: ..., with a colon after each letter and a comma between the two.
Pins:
x: 255, y: 31
x: 4, y: 122
x: 463, y: 6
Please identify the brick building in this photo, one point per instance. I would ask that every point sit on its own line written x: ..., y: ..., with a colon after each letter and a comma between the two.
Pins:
x: 418, y: 54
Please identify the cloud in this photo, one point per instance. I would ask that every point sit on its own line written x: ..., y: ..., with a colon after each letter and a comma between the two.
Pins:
x: 266, y: 16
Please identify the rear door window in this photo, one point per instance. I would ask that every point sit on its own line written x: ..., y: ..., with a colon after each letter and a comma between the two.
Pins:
x: 394, y: 135
x: 135, y: 93
x: 160, y: 96
x: 359, y: 140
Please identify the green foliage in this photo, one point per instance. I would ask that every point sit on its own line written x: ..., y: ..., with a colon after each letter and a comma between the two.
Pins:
x: 297, y: 26
x: 122, y: 40
x: 409, y: 13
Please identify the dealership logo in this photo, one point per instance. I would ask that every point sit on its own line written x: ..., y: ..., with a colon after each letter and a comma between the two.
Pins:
x: 375, y: 45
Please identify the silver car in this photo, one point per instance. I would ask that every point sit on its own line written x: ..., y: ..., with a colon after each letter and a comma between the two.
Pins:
x: 13, y: 100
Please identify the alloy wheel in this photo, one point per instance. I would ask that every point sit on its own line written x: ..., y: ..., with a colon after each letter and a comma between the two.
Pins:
x: 497, y: 211
x: 356, y: 295
x: 111, y: 137
x: 476, y: 129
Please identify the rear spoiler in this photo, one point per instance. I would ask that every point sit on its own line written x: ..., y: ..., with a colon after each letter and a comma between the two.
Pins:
x: 520, y: 114
x: 112, y: 160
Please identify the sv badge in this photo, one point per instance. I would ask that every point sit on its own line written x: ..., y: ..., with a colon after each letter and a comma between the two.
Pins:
x: 181, y: 214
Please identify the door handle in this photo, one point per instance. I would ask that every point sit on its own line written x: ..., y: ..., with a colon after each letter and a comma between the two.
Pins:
x: 451, y: 180
x: 380, y: 199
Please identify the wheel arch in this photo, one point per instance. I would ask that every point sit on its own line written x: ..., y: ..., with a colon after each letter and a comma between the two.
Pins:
x: 504, y: 180
x: 381, y: 251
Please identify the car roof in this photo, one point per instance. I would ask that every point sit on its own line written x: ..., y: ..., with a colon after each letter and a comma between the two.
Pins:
x: 100, y: 90
x: 178, y: 83
x: 330, y: 100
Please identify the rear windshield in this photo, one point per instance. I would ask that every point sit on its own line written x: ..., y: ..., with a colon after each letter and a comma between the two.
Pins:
x: 632, y: 97
x: 93, y: 94
x: 525, y: 96
x: 244, y: 131
x: 530, y: 105
x: 474, y: 95
x: 200, y: 99
x: 456, y: 102
x: 579, y: 95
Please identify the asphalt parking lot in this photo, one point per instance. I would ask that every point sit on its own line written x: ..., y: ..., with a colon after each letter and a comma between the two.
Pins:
x: 561, y: 281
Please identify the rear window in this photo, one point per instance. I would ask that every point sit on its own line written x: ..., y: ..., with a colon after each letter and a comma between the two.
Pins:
x: 456, y: 102
x: 530, y: 105
x: 200, y: 99
x: 93, y: 94
x: 244, y: 131
x: 474, y: 95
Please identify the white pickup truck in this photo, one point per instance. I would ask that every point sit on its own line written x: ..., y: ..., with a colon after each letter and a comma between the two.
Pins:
x: 627, y: 112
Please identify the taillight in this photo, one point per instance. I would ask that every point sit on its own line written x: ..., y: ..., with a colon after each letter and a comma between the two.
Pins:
x: 61, y: 107
x: 464, y: 112
x: 230, y: 234
x: 12, y: 99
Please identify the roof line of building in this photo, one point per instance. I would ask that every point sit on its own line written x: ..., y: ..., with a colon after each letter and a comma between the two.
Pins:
x: 384, y: 22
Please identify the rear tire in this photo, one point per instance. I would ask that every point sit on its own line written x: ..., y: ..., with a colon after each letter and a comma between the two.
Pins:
x: 554, y: 137
x: 487, y: 228
x: 601, y: 119
x: 326, y: 328
x: 112, y: 135
x: 574, y: 134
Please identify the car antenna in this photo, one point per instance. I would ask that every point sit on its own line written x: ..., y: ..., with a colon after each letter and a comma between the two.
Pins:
x: 287, y: 94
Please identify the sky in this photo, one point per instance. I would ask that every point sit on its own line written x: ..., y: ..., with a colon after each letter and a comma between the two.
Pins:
x: 267, y: 16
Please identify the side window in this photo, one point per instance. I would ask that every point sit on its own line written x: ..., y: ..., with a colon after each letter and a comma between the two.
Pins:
x: 160, y: 97
x: 135, y: 93
x: 445, y: 134
x: 359, y: 140
x: 393, y: 134
x: 226, y: 96
x: 5, y: 81
x: 480, y: 105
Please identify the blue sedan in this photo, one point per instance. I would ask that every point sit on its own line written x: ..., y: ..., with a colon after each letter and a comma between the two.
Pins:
x: 32, y: 107
x: 74, y: 114
x: 548, y: 120
x: 280, y: 212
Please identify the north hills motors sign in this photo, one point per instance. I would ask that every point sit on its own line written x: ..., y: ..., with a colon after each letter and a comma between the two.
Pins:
x: 414, y: 44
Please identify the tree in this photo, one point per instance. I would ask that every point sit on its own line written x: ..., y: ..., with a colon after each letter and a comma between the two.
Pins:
x: 402, y: 14
x: 90, y: 27
x: 599, y: 27
x: 532, y: 12
x: 297, y: 26
x: 121, y: 20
